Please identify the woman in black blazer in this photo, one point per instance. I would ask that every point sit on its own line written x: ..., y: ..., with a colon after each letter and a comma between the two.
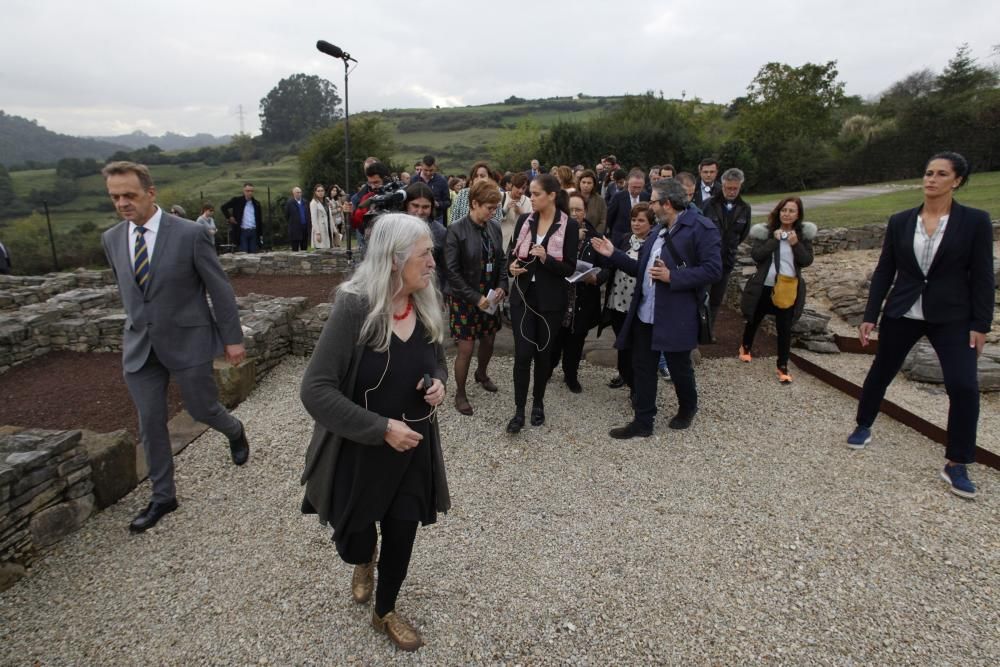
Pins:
x: 542, y: 255
x: 938, y: 260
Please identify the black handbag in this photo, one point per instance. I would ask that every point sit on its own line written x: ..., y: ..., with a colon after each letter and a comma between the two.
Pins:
x: 705, y: 322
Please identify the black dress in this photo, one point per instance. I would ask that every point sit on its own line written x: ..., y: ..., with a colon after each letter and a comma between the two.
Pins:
x: 372, y: 482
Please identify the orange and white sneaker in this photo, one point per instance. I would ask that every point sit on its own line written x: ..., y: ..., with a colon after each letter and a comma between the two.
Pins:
x: 745, y: 355
x: 783, y: 376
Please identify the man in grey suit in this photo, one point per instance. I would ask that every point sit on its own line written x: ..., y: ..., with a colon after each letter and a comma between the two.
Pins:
x: 165, y: 267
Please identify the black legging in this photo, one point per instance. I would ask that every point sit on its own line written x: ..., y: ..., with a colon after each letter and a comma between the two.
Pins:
x: 782, y: 322
x: 529, y: 330
x: 393, y: 558
x: 568, y: 349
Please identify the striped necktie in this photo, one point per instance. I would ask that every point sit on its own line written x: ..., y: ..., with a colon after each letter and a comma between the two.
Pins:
x: 141, y: 264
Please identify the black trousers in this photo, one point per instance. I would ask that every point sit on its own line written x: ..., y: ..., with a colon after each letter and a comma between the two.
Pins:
x: 624, y: 356
x: 300, y: 245
x: 717, y: 292
x: 782, y: 322
x: 533, y: 340
x: 950, y: 340
x: 568, y: 348
x: 393, y: 558
x: 645, y: 361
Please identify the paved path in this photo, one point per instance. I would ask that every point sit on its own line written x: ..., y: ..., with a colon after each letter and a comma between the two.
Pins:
x: 836, y: 196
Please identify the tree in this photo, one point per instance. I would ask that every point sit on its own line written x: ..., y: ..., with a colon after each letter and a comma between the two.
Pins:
x: 963, y: 76
x: 789, y: 122
x: 298, y: 106
x: 514, y: 148
x: 322, y: 159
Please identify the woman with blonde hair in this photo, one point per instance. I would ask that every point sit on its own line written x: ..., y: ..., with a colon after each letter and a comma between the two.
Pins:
x: 373, y: 385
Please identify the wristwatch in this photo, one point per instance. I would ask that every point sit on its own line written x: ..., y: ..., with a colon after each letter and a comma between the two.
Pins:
x: 388, y: 426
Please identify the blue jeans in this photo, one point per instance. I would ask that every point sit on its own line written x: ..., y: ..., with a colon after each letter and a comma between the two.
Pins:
x: 248, y: 240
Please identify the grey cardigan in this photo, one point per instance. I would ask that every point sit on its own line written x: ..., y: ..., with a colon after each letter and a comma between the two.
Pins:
x: 327, y: 391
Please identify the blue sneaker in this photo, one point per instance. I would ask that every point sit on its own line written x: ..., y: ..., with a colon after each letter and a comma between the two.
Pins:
x: 862, y: 436
x: 957, y: 477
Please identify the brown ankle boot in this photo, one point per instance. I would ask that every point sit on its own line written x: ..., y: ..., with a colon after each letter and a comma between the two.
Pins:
x: 402, y: 634
x: 363, y: 581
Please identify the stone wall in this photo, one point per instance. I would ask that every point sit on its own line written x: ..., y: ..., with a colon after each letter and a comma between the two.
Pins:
x: 46, y: 493
x: 18, y: 291
x: 286, y: 262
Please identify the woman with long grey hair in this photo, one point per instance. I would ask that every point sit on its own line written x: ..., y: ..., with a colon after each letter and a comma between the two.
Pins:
x: 373, y: 385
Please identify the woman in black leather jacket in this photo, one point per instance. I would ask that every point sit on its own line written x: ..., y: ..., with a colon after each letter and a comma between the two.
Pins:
x: 476, y: 264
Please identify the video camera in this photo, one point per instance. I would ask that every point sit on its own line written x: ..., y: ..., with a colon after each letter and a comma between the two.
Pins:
x: 389, y: 197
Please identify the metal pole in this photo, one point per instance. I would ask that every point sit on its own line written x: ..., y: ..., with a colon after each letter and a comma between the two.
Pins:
x: 347, y: 163
x: 52, y: 240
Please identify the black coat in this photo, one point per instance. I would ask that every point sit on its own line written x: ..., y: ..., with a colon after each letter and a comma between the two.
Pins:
x: 764, y: 252
x: 463, y: 253
x: 587, y: 304
x: 296, y: 230
x: 699, y: 198
x: 733, y: 225
x: 960, y: 282
x: 551, y: 288
x: 620, y: 215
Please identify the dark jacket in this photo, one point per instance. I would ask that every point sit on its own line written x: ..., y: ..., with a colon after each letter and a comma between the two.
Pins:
x: 438, y: 234
x: 442, y: 196
x: 675, y: 316
x: 620, y: 215
x: 764, y: 252
x: 699, y: 198
x: 327, y: 389
x: 960, y: 283
x: 551, y: 288
x: 733, y: 225
x: 587, y: 301
x: 5, y: 263
x: 234, y: 209
x: 463, y: 252
x: 296, y: 230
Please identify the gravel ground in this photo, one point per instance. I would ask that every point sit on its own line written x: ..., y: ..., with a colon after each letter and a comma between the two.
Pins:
x: 930, y: 401
x: 756, y: 535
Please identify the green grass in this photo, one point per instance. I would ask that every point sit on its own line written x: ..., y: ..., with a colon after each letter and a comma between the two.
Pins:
x: 174, y: 183
x: 983, y: 191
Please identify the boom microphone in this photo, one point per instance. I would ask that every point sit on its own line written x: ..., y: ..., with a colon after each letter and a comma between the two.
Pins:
x: 335, y: 51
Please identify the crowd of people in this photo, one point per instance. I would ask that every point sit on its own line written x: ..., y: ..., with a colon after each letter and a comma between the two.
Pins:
x: 569, y: 250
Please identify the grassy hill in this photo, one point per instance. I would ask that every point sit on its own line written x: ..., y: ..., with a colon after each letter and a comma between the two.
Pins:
x: 23, y: 140
x: 175, y: 183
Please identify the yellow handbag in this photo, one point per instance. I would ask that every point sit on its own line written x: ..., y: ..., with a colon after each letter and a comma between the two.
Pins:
x: 786, y: 289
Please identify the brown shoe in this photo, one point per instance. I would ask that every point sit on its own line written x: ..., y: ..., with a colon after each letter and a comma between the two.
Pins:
x: 402, y: 634
x: 363, y: 581
x: 486, y: 382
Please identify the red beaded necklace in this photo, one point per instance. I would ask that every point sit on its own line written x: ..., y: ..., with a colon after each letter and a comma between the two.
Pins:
x: 406, y: 313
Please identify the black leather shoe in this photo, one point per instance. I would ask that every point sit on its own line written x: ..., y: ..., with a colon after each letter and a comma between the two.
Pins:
x: 151, y: 515
x: 515, y: 424
x: 617, y: 382
x: 682, y: 420
x: 537, y: 415
x: 239, y: 447
x: 630, y: 430
x: 574, y: 386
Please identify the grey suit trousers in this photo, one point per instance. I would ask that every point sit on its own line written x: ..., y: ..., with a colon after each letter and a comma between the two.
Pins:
x: 148, y: 388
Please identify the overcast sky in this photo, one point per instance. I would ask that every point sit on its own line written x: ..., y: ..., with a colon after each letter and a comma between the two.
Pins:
x: 110, y: 67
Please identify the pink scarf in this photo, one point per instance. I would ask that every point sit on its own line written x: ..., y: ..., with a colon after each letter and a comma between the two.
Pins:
x: 556, y: 241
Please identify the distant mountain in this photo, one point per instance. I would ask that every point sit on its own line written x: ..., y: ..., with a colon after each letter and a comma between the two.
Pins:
x: 22, y: 140
x: 168, y: 142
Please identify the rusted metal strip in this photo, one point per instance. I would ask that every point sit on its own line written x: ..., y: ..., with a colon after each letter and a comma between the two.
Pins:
x: 894, y: 410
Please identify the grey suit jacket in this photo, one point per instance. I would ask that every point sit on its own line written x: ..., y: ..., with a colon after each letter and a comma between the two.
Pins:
x: 172, y: 316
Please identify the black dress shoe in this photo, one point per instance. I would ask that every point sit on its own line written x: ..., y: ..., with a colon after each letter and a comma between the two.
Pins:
x: 239, y: 447
x: 574, y: 386
x: 515, y: 424
x: 630, y: 430
x: 682, y: 420
x: 151, y: 515
x: 617, y: 382
x: 537, y: 415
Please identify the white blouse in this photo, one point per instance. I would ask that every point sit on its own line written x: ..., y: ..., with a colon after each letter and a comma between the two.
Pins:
x: 924, y: 249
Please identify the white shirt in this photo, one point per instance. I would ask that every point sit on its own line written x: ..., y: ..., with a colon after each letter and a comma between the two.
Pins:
x: 787, y: 267
x: 635, y: 199
x: 924, y: 249
x: 152, y: 227
x: 249, y: 216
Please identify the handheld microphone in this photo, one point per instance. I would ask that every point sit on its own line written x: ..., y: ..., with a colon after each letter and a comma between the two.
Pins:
x: 331, y: 50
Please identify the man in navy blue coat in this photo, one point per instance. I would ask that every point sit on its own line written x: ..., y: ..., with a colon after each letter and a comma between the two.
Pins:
x: 663, y: 315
